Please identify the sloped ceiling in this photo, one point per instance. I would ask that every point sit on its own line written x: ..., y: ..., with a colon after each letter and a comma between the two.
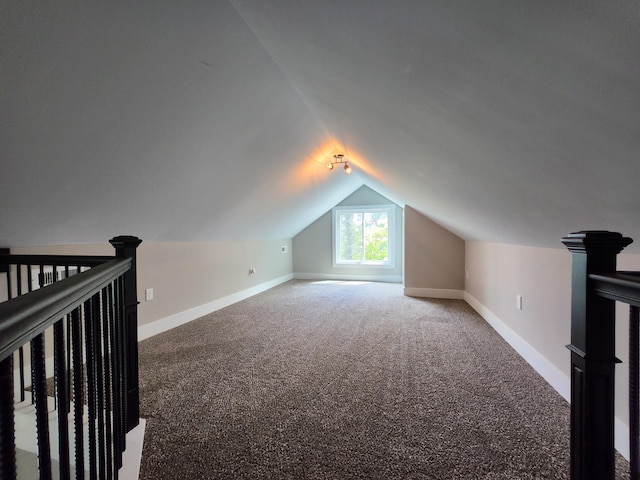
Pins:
x: 507, y: 121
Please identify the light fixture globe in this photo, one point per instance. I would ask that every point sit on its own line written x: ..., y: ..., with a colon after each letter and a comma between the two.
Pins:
x: 339, y: 159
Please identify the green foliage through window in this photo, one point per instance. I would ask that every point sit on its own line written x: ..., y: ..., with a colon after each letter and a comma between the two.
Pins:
x: 362, y: 236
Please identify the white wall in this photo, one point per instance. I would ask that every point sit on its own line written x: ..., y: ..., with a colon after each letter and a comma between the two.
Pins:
x: 192, y: 276
x: 540, y: 331
x: 498, y: 272
x: 189, y: 279
x: 434, y: 258
x: 189, y: 275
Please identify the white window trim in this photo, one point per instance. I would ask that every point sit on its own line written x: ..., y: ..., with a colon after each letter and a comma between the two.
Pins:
x: 391, y: 212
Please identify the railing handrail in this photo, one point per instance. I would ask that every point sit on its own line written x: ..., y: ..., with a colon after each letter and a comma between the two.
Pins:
x: 28, y: 315
x: 619, y: 286
x: 59, y: 260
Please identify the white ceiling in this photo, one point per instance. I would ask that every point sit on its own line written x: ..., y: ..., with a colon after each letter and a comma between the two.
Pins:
x: 508, y: 121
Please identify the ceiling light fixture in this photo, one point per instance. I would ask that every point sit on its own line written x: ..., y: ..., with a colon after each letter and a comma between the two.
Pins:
x: 339, y: 159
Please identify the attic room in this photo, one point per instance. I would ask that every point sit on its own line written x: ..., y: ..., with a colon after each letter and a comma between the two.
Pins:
x: 493, y: 128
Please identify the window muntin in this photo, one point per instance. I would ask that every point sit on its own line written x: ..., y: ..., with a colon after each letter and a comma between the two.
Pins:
x: 364, y: 236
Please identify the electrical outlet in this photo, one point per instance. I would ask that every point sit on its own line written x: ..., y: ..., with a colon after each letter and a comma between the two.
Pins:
x: 148, y: 294
x: 519, y: 302
x: 252, y: 271
x: 284, y: 249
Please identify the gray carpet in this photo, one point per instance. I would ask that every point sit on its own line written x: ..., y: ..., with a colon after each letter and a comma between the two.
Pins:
x: 346, y: 381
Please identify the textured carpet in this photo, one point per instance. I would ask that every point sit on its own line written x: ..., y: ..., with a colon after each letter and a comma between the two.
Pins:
x: 342, y: 381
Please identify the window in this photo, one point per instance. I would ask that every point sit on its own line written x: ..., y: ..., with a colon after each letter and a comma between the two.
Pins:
x: 364, y: 236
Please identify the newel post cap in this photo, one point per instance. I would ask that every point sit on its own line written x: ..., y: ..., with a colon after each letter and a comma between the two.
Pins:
x: 596, y: 240
x: 125, y: 241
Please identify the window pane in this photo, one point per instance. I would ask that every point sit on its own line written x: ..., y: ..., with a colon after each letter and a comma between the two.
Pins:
x: 351, y: 236
x: 364, y: 236
x: 376, y: 236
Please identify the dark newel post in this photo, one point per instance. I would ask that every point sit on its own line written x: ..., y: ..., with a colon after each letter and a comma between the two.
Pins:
x: 126, y: 248
x: 4, y: 267
x: 592, y: 356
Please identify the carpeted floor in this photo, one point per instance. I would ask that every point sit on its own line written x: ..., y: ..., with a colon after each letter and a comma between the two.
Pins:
x: 346, y: 381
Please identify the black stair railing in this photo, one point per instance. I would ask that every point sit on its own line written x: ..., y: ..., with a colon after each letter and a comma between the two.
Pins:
x: 596, y: 287
x: 82, y: 313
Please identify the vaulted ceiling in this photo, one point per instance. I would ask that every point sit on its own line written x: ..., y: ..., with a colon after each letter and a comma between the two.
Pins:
x: 502, y: 120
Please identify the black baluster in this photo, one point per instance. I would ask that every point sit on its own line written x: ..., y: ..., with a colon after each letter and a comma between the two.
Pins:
x: 20, y: 350
x: 29, y: 277
x: 97, y: 341
x: 61, y: 380
x: 21, y: 366
x: 115, y: 380
x: 69, y: 368
x: 117, y: 371
x: 39, y: 388
x: 78, y: 391
x: 7, y: 422
x: 19, y: 279
x: 106, y: 320
x: 68, y: 340
x: 91, y: 386
x: 9, y: 285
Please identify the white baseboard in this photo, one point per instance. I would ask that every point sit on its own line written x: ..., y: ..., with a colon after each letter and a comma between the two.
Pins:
x: 167, y: 323
x: 132, y: 456
x: 346, y: 276
x: 621, y: 438
x: 552, y: 374
x: 434, y: 293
